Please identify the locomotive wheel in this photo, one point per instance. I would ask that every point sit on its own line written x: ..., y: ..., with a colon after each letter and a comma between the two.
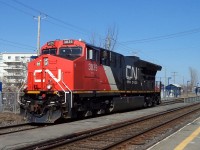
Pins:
x: 158, y: 101
x: 149, y: 101
x: 80, y: 114
x: 145, y: 104
x: 150, y: 104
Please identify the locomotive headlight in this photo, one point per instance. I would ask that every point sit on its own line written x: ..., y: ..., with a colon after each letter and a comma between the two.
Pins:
x: 49, y: 86
x: 25, y: 87
x: 46, y: 61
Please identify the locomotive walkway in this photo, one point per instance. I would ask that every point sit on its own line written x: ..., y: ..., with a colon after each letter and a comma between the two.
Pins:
x: 24, y: 138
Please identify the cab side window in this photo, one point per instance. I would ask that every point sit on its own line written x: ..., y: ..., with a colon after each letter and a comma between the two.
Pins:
x: 93, y: 55
x: 105, y: 58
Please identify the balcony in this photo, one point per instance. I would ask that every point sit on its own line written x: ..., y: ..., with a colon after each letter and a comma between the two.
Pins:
x: 13, y: 63
x: 14, y: 75
x: 13, y: 69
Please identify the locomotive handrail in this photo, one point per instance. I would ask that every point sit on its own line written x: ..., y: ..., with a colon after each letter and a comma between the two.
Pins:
x: 65, y: 93
x: 63, y: 89
x: 18, y: 94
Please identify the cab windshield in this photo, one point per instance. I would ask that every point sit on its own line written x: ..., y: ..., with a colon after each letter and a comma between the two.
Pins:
x: 70, y: 52
x: 51, y: 51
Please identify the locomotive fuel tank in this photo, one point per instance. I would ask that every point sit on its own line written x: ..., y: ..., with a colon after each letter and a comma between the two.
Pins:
x: 126, y: 103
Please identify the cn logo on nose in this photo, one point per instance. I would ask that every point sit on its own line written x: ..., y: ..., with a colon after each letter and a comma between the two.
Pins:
x: 50, y: 74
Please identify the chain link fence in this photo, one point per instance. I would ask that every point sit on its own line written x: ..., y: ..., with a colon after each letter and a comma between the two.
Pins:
x: 192, y: 99
x: 8, y: 102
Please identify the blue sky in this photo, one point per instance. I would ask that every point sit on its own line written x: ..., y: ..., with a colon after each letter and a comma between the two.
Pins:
x: 163, y: 32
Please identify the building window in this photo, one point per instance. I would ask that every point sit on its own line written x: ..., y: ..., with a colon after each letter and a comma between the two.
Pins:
x: 17, y: 73
x: 9, y: 57
x: 17, y: 58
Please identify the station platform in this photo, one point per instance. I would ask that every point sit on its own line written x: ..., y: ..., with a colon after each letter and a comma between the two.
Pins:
x: 29, y: 137
x: 187, y: 138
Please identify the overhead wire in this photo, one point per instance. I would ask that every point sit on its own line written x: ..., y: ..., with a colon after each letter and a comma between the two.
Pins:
x: 163, y: 37
x: 51, y: 17
x: 124, y: 45
x: 75, y: 28
x: 25, y: 12
x: 18, y: 46
x: 64, y: 26
x: 16, y: 43
x: 67, y: 25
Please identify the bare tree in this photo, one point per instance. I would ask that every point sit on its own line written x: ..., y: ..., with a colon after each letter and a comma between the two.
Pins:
x: 109, y: 41
x: 111, y: 38
x: 193, y: 76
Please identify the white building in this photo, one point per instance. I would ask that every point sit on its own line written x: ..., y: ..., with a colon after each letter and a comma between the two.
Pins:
x: 13, y: 68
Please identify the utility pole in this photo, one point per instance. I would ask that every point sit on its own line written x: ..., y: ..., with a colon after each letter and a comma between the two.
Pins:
x: 174, y: 75
x: 165, y: 82
x: 165, y: 76
x: 38, y: 34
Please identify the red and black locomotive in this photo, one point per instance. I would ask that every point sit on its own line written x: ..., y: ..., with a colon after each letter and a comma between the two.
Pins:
x: 72, y: 78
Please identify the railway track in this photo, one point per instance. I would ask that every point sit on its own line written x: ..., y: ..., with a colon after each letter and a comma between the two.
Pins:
x: 134, y: 134
x: 26, y: 126
x: 173, y: 101
x: 16, y: 128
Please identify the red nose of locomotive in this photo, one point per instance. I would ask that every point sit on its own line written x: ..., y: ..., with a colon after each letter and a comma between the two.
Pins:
x: 49, y: 79
x: 46, y: 73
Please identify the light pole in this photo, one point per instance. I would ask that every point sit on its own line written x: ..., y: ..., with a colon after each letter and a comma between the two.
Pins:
x: 197, y: 89
x: 169, y: 79
x: 187, y: 87
x: 174, y: 75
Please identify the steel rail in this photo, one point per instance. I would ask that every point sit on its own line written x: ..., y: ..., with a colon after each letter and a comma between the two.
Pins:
x: 16, y: 128
x: 148, y: 130
x: 79, y: 136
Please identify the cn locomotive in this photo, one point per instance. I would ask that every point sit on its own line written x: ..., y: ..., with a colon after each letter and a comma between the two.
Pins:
x: 72, y: 79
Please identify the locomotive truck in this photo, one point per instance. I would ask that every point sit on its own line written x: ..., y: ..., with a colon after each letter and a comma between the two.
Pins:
x: 72, y: 79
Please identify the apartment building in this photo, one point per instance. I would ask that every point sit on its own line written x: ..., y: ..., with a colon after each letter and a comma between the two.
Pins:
x: 13, y: 68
